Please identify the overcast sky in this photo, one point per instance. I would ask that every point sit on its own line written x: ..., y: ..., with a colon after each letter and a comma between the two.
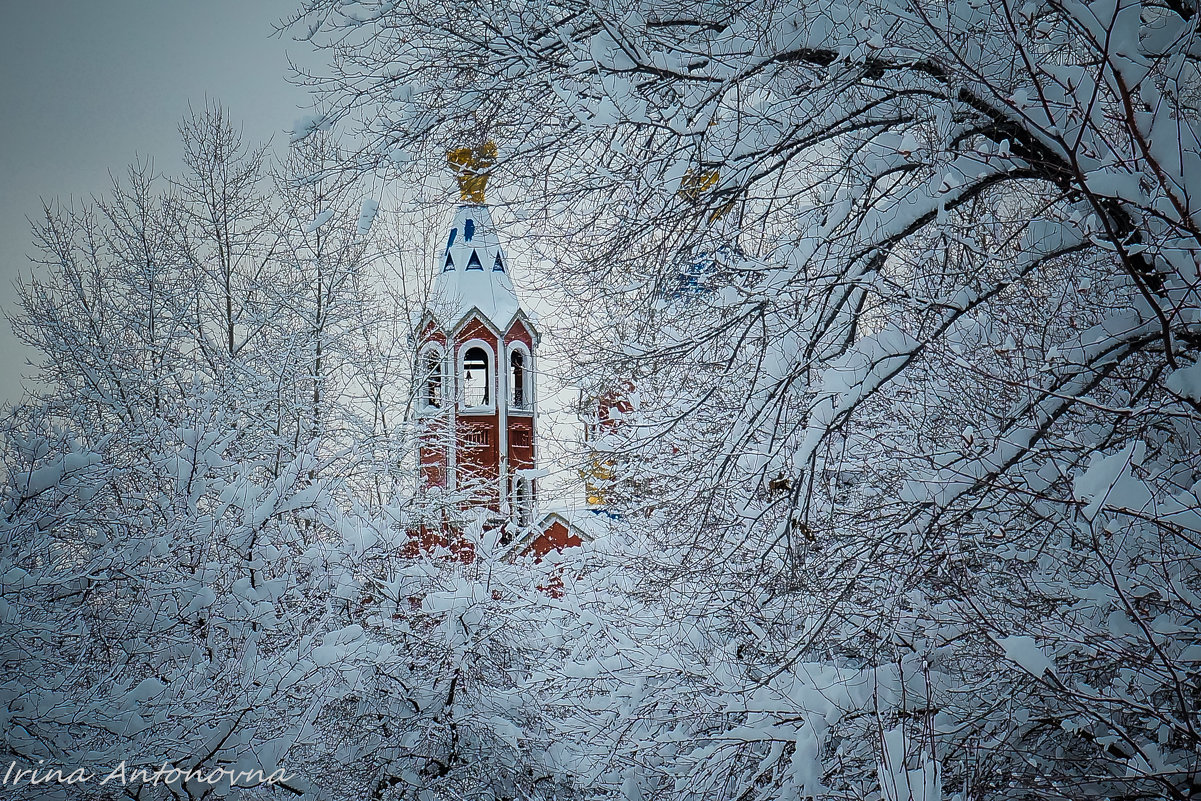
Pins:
x: 88, y: 85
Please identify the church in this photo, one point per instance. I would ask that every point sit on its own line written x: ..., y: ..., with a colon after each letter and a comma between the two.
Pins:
x: 477, y: 394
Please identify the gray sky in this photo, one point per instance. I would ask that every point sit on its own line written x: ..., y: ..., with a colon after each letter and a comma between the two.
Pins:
x: 88, y: 85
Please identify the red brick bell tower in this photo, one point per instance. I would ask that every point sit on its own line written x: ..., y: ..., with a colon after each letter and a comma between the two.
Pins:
x: 475, y: 371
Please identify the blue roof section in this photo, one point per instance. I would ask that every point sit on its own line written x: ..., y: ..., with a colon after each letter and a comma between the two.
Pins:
x: 698, y: 278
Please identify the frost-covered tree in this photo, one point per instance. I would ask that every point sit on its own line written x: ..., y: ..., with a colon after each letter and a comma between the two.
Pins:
x: 206, y: 500
x: 908, y: 292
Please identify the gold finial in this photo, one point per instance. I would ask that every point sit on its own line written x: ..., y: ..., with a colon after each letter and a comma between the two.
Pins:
x: 473, y: 167
x: 597, y: 475
x: 694, y: 185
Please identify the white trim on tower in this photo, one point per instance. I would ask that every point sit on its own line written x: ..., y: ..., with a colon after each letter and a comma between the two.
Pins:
x: 489, y: 376
x: 529, y: 399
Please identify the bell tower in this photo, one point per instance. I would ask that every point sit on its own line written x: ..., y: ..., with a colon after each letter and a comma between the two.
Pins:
x: 476, y: 351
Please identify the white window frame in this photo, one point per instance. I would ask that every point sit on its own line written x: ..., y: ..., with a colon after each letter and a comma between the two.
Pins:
x: 423, y: 355
x: 490, y: 406
x: 519, y: 481
x: 524, y: 349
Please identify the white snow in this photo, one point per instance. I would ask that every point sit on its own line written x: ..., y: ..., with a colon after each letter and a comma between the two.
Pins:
x: 367, y: 214
x: 308, y: 124
x: 457, y: 289
x: 1023, y: 651
x: 899, y: 784
x: 320, y: 220
x: 1186, y: 382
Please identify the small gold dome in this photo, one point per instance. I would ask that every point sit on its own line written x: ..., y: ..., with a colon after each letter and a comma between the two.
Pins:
x: 473, y: 168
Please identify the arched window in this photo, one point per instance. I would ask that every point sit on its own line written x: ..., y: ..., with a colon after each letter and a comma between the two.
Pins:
x: 523, y: 501
x: 431, y: 394
x: 517, y: 370
x: 475, y: 377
